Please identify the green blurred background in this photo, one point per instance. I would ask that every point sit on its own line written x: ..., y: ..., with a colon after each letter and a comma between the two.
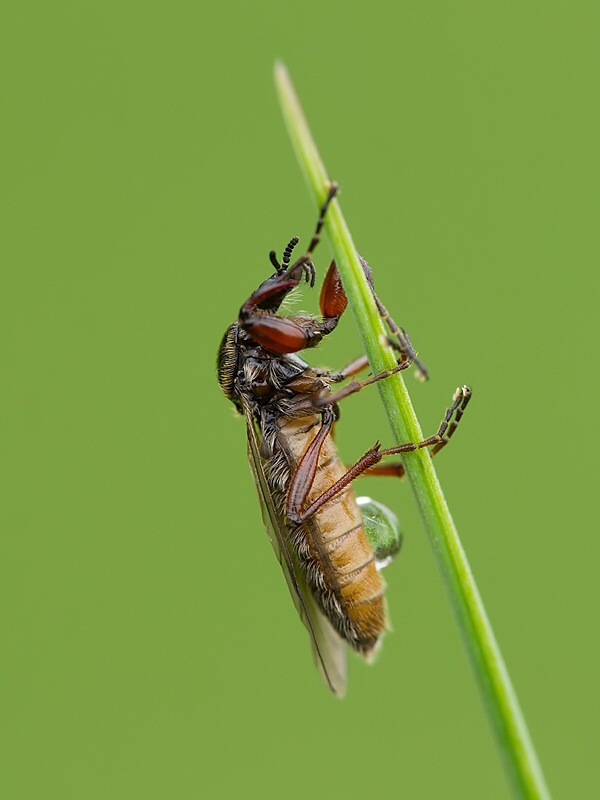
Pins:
x: 149, y: 647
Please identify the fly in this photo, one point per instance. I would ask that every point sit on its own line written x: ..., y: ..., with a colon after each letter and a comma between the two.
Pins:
x: 330, y: 545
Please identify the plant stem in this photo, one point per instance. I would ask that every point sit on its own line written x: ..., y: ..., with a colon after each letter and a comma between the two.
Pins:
x: 517, y: 751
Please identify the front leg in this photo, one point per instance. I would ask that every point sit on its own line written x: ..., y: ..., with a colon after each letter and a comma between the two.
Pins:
x: 258, y: 316
x: 285, y: 334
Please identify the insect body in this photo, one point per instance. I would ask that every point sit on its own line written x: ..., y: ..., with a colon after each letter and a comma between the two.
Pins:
x: 326, y: 548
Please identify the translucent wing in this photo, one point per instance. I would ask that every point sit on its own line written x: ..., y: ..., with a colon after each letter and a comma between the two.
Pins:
x: 329, y: 649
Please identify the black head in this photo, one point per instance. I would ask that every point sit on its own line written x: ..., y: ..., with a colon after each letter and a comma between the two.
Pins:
x: 227, y: 361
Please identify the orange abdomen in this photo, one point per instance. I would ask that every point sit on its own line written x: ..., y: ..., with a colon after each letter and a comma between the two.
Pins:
x: 339, y: 545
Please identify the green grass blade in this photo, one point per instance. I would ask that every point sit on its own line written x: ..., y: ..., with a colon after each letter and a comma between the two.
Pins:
x: 518, y: 754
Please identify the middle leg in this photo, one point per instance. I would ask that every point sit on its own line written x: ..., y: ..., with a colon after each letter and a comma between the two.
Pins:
x: 370, y: 459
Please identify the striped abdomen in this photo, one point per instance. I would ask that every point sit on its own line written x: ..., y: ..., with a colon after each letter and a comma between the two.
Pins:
x: 333, y: 547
